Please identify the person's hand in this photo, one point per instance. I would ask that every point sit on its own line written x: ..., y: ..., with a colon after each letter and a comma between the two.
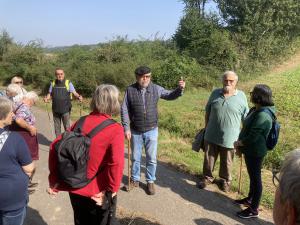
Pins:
x: 181, y: 84
x: 52, y: 192
x: 99, y: 198
x: 46, y: 100
x: 32, y: 130
x: 128, y: 134
x: 238, y: 152
x: 80, y: 98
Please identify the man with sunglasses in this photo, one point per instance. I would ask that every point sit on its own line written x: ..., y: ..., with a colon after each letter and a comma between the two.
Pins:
x: 140, y: 120
x: 286, y: 210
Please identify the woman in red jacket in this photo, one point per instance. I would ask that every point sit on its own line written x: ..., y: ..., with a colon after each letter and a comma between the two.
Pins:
x: 106, y: 151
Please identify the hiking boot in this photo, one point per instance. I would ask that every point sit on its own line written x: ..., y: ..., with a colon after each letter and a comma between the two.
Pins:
x: 203, y: 183
x: 134, y: 184
x: 224, y: 186
x: 150, y: 189
x: 245, y: 201
x: 248, y: 213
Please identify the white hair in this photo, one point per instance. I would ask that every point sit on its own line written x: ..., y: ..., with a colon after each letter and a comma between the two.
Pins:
x: 32, y: 96
x: 290, y: 180
x: 14, y: 89
x: 229, y: 72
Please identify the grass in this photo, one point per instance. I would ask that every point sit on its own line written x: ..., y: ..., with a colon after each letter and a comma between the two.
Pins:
x: 180, y: 120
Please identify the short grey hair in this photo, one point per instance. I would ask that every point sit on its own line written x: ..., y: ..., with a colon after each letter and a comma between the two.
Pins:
x: 106, y: 100
x: 14, y: 88
x: 32, y: 96
x: 228, y: 72
x: 6, y: 107
x: 290, y: 180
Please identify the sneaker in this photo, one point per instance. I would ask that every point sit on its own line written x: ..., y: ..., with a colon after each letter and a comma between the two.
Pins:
x: 32, y: 184
x: 248, y: 213
x: 245, y: 201
x: 31, y: 191
x: 203, y: 183
x: 150, y: 189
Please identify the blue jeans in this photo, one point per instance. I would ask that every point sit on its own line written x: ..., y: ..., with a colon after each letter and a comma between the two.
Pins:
x: 147, y: 139
x: 14, y: 217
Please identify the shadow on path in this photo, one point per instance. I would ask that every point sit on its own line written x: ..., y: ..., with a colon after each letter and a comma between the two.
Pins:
x: 136, y: 221
x: 43, y: 140
x: 33, y: 217
x: 206, y: 222
x: 183, y: 184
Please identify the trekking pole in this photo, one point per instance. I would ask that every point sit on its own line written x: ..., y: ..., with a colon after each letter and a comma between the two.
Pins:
x: 240, y: 176
x: 80, y: 109
x: 129, y: 149
x: 52, y: 131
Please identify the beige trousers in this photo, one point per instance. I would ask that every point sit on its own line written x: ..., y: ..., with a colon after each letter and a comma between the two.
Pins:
x: 211, y: 153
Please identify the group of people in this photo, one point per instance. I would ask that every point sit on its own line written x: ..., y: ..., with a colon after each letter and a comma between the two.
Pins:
x: 226, y: 112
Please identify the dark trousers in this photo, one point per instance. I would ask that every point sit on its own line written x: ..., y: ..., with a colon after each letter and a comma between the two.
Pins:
x: 254, y: 165
x: 58, y: 118
x: 86, y: 212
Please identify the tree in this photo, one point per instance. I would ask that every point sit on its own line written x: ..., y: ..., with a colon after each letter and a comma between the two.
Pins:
x: 5, y: 41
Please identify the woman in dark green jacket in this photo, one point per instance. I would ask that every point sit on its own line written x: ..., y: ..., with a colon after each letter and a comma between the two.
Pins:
x: 252, y: 143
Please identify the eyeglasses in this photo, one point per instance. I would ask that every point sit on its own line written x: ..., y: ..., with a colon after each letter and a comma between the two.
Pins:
x: 145, y: 77
x: 19, y: 82
x: 275, y: 177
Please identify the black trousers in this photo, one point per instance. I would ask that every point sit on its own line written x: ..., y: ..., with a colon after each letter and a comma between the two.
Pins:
x: 254, y: 165
x: 86, y: 212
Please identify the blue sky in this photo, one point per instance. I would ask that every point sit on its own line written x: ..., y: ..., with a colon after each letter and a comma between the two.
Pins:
x: 68, y: 22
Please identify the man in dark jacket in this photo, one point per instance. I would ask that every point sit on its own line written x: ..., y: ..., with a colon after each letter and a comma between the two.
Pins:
x: 60, y: 90
x: 140, y: 120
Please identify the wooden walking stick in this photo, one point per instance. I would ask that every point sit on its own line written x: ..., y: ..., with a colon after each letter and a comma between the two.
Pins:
x: 129, y: 149
x: 240, y: 176
x: 52, y: 129
x: 80, y: 109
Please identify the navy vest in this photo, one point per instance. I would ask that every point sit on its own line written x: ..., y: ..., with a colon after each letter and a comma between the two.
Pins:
x: 142, y: 118
x: 61, y: 101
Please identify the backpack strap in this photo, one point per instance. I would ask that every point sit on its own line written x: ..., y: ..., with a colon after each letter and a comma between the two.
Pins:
x: 100, y: 127
x: 269, y: 112
x: 79, y: 124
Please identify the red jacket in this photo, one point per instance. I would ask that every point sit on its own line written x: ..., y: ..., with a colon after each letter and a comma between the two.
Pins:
x: 106, y: 149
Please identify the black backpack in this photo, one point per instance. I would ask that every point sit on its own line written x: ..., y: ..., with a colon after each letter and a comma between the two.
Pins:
x: 72, y: 152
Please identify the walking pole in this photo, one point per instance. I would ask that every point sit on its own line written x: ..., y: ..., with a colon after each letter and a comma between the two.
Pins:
x: 80, y: 109
x: 129, y: 149
x: 52, y: 130
x: 240, y: 176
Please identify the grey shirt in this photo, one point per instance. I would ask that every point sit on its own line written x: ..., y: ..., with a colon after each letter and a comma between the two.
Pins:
x: 162, y: 93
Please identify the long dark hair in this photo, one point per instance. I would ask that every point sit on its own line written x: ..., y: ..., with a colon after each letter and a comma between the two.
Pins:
x: 262, y: 95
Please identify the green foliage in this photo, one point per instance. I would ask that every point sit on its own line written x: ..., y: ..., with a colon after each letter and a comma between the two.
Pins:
x: 203, y: 39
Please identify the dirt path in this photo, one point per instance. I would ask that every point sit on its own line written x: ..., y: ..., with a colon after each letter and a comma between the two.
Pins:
x: 177, y: 202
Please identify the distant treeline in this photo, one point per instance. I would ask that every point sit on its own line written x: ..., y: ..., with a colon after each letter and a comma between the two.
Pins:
x: 246, y: 36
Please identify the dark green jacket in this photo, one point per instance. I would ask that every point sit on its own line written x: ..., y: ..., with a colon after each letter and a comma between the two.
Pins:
x: 256, y: 128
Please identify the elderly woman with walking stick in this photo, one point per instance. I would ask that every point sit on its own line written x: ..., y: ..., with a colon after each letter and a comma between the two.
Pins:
x: 252, y: 143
